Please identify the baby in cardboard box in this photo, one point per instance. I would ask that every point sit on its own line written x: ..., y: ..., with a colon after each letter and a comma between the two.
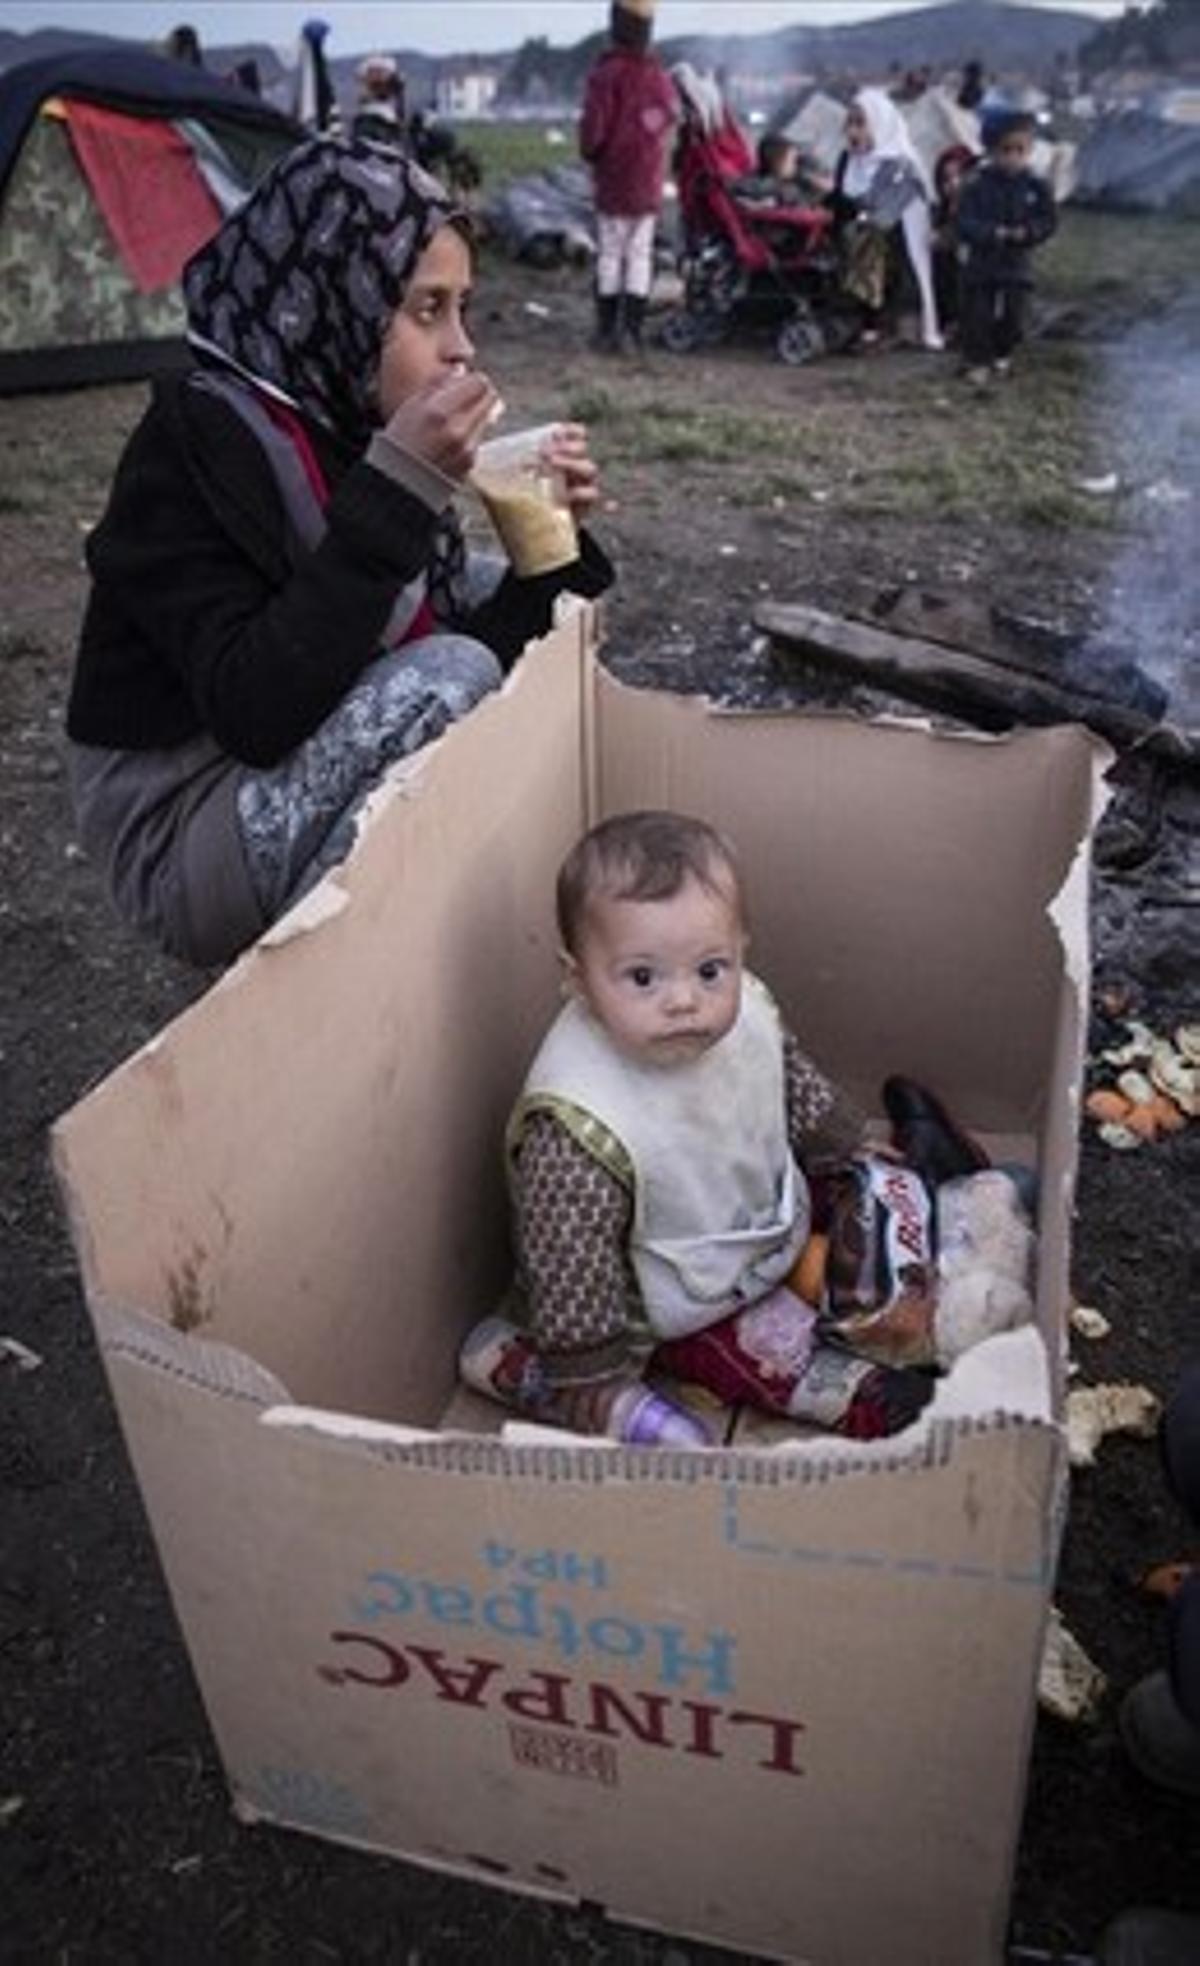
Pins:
x: 666, y: 1156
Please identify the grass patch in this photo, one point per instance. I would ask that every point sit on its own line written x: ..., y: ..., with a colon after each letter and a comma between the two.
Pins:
x: 765, y: 450
x: 593, y: 404
x: 1012, y: 459
x: 509, y: 150
x: 1058, y: 508
x: 1099, y: 255
x: 778, y: 486
x: 1017, y: 466
x: 905, y: 444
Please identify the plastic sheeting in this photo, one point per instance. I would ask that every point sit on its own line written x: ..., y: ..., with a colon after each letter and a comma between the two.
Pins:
x: 548, y: 216
x: 1134, y: 161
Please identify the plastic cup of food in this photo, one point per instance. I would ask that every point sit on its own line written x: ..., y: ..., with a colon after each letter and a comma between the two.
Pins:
x: 525, y: 499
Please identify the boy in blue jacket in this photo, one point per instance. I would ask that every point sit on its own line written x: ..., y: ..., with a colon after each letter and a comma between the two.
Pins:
x: 1004, y: 213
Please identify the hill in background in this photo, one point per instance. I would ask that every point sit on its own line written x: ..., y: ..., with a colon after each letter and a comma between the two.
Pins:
x: 1000, y: 35
x: 1009, y: 38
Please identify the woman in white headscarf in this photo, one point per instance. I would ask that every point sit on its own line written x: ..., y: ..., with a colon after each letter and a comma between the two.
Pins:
x: 882, y: 186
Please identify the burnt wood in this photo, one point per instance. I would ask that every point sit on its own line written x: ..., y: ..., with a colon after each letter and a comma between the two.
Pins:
x: 979, y: 690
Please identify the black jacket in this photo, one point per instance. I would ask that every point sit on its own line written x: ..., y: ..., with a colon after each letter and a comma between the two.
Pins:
x: 993, y: 198
x: 199, y: 618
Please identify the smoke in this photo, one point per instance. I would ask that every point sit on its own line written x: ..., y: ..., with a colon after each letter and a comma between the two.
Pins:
x: 1148, y: 423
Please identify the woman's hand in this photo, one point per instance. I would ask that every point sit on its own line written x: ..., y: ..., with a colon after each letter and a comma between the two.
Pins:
x: 566, y: 453
x: 443, y: 422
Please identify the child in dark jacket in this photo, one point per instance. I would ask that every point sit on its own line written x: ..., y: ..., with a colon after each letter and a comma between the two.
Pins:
x: 1004, y: 213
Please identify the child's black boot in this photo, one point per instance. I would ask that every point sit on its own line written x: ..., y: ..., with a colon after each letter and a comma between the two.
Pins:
x: 633, y: 322
x: 605, y: 340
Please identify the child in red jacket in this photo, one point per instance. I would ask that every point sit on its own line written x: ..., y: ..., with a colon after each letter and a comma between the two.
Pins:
x: 629, y: 109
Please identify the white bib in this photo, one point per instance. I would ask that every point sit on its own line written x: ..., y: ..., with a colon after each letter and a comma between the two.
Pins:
x: 720, y: 1208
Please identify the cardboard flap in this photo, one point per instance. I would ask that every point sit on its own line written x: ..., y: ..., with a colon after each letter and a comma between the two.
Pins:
x: 1004, y: 1381
x: 307, y: 1164
x: 131, y: 1335
x: 890, y: 864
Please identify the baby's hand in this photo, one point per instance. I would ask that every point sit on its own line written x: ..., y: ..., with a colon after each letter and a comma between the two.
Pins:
x: 566, y: 452
x: 444, y: 421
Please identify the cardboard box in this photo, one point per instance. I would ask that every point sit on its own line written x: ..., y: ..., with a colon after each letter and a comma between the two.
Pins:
x: 778, y: 1700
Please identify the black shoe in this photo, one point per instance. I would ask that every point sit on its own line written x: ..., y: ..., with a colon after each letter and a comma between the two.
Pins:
x: 606, y: 339
x: 1160, y: 1740
x: 633, y: 318
x: 925, y: 1134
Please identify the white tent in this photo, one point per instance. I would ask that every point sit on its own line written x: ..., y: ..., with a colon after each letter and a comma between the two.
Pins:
x: 936, y: 123
x: 817, y: 127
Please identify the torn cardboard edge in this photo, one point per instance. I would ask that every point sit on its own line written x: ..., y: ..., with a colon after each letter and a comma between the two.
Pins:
x: 1003, y: 1381
x: 320, y: 905
x: 401, y: 780
x: 205, y: 1363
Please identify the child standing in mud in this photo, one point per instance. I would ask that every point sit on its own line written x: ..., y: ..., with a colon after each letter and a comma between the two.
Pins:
x: 1005, y: 212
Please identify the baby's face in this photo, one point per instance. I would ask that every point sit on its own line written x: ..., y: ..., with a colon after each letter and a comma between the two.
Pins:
x: 663, y: 977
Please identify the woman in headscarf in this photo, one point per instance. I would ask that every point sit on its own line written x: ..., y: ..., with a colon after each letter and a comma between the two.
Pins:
x: 882, y: 192
x: 281, y: 604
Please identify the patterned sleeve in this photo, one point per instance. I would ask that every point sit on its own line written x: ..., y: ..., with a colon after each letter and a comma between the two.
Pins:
x: 573, y: 1220
x: 822, y: 1123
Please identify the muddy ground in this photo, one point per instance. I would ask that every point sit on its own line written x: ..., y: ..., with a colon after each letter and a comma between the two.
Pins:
x: 735, y: 478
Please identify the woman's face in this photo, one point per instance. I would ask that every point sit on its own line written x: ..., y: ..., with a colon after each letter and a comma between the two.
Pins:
x: 427, y: 337
x: 858, y: 130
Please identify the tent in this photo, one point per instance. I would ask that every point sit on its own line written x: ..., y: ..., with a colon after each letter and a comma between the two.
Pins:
x: 1135, y: 161
x: 936, y: 123
x: 818, y: 126
x: 115, y: 166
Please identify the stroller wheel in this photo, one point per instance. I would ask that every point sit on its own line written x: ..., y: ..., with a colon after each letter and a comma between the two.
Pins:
x: 799, y: 340
x: 841, y: 330
x: 681, y: 332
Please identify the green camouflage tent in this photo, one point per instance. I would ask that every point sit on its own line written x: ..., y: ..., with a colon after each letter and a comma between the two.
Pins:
x: 71, y: 309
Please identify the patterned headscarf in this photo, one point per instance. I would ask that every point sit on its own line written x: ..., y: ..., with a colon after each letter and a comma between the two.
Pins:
x: 297, y: 289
